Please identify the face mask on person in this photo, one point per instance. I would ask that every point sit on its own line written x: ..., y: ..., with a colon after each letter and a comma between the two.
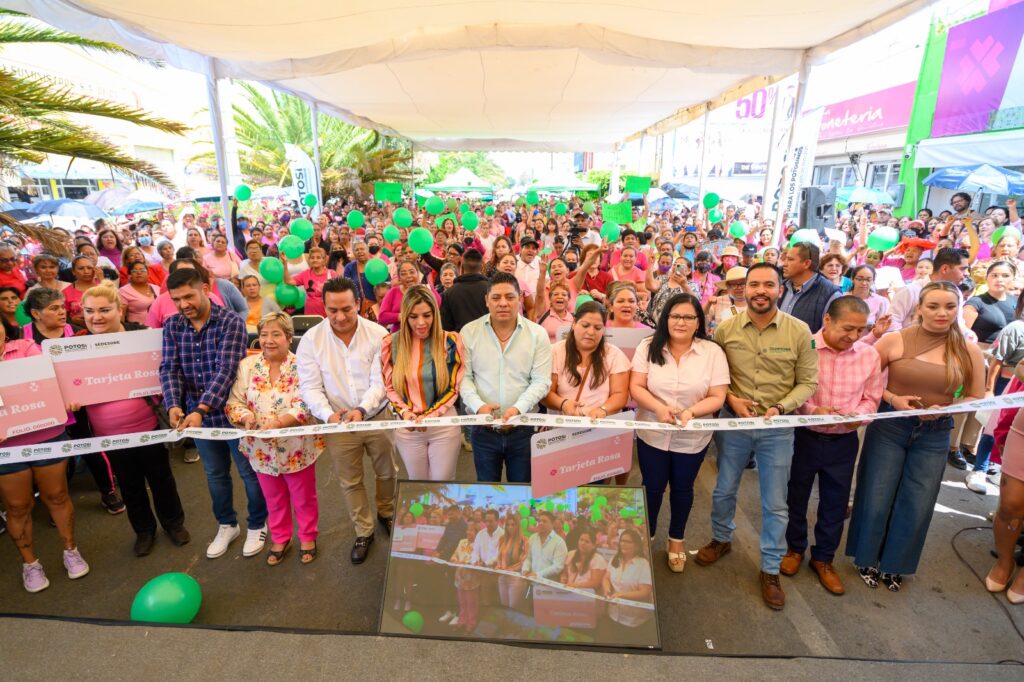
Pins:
x: 663, y: 269
x: 703, y: 266
x: 572, y: 266
x: 145, y: 240
x: 374, y: 250
x: 728, y: 262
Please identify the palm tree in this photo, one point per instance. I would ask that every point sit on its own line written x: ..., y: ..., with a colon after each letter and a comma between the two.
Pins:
x: 351, y: 158
x: 34, y: 111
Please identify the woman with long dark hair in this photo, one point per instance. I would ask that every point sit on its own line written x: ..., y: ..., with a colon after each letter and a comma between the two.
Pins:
x: 629, y: 577
x: 584, y: 567
x: 678, y: 375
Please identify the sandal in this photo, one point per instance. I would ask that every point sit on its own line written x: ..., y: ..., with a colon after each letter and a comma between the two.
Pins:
x: 274, y: 557
x: 307, y: 556
x: 677, y: 561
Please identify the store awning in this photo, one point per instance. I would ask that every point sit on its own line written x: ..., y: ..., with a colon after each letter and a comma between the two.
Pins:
x: 1003, y: 148
x: 490, y: 74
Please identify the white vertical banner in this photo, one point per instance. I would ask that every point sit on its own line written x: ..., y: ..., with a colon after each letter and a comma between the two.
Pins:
x: 780, y: 98
x: 800, y: 168
x: 304, y: 178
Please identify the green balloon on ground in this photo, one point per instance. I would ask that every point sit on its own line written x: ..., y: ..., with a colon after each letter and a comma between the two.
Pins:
x: 355, y: 219
x: 583, y: 298
x: 168, y: 598
x: 588, y: 207
x: 420, y: 240
x: 715, y: 215
x: 561, y: 209
x: 532, y: 198
x: 301, y: 228
x: 309, y: 200
x: 376, y: 273
x: 470, y: 221
x: 243, y: 193
x: 272, y: 270
x: 738, y: 230
x: 403, y: 217
x: 489, y: 211
x: 711, y: 200
x: 291, y: 246
x: 434, y: 205
x: 416, y: 509
x: 882, y: 239
x: 21, y: 316
x: 287, y: 295
x: 610, y: 232
x: 463, y: 208
x: 414, y: 621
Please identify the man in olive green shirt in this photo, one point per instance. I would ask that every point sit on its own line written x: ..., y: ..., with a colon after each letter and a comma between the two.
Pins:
x: 773, y: 369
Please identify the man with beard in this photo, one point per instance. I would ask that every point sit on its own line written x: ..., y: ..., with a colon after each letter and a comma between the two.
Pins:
x: 773, y: 370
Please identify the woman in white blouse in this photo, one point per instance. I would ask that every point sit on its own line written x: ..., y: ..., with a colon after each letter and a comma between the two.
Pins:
x: 629, y: 577
x: 678, y: 374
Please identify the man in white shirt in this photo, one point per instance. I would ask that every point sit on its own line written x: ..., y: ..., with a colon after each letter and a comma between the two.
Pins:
x: 949, y: 265
x: 340, y: 380
x: 545, y: 550
x: 528, y: 267
x: 485, y: 547
x: 508, y: 371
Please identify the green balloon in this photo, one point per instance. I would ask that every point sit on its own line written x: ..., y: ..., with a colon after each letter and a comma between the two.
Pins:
x: 531, y: 198
x: 309, y: 200
x: 434, y: 205
x: 355, y: 219
x: 21, y: 316
x: 809, y: 235
x: 489, y: 211
x: 520, y: 201
x: 414, y: 621
x: 882, y: 239
x: 583, y: 298
x: 243, y: 193
x: 291, y: 246
x: 566, y: 527
x: 1005, y: 232
x: 300, y: 302
x: 596, y: 515
x: 627, y: 513
x: 610, y: 232
x: 561, y: 209
x: 550, y: 505
x: 715, y: 215
x: 420, y: 240
x: 301, y: 228
x: 403, y: 217
x: 272, y: 270
x: 416, y: 509
x: 376, y: 273
x: 638, y: 521
x: 168, y: 598
x: 533, y: 522
x: 588, y: 207
x: 287, y: 295
x: 524, y: 524
x: 463, y: 208
x: 470, y: 221
x: 391, y: 234
x: 600, y: 501
x: 524, y: 510
x: 711, y: 200
x: 452, y: 204
x: 738, y: 230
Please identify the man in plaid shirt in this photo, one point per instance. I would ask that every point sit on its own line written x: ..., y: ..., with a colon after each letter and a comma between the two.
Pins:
x: 202, y: 347
x: 850, y: 382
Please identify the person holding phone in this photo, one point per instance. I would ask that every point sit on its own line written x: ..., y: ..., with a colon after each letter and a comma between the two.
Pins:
x: 664, y: 287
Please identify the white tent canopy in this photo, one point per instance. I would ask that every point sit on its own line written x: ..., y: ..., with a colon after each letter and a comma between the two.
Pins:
x: 462, y: 180
x: 489, y: 74
x: 562, y: 182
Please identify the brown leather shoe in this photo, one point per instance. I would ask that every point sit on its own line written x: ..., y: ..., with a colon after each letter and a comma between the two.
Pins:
x: 771, y: 591
x: 829, y: 578
x: 712, y: 552
x: 791, y: 563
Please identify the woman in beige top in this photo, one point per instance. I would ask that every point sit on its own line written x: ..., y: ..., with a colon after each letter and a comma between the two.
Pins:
x: 930, y: 365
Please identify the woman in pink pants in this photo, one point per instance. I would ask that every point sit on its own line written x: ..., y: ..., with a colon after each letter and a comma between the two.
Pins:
x: 266, y: 396
x: 423, y: 366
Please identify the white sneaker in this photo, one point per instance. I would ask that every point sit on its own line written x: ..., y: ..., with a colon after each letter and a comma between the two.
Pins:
x: 447, y: 616
x: 976, y: 482
x: 454, y: 621
x: 191, y: 456
x: 225, y: 536
x: 255, y: 539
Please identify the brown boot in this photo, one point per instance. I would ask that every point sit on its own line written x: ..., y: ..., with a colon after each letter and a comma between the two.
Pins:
x: 712, y: 552
x: 771, y: 591
x: 791, y: 563
x: 828, y: 577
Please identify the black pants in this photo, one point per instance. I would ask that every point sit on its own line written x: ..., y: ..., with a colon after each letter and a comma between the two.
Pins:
x: 97, y: 463
x: 134, y: 468
x: 831, y: 460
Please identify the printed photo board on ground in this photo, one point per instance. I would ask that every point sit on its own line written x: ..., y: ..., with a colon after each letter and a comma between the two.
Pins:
x: 499, y: 564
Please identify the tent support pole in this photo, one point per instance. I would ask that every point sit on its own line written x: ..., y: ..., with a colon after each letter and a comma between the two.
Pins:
x: 217, y: 130
x: 768, y: 195
x: 613, y: 183
x: 314, y: 124
x: 703, y: 154
x: 798, y: 106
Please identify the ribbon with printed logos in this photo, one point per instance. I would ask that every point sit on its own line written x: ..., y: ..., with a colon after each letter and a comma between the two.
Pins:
x: 66, y: 448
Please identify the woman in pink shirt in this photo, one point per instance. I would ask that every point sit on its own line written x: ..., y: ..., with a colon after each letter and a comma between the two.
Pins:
x: 222, y: 261
x: 49, y: 476
x: 626, y: 269
x: 138, y: 294
x: 556, y: 311
x: 624, y: 306
x: 390, y: 308
x: 142, y: 465
x: 313, y: 281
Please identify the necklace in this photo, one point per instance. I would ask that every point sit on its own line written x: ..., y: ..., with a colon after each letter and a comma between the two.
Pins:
x: 503, y: 341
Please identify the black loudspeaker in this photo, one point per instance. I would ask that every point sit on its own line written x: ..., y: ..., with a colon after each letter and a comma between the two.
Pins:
x: 817, y: 207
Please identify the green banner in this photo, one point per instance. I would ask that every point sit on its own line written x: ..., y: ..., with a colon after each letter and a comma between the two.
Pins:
x: 620, y: 214
x: 638, y: 183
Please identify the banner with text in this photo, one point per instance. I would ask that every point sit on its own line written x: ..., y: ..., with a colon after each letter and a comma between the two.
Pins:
x: 101, y: 368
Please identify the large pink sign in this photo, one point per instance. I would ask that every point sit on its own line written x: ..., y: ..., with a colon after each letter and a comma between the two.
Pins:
x: 30, y: 399
x: 882, y: 110
x: 104, y: 367
x: 567, y: 458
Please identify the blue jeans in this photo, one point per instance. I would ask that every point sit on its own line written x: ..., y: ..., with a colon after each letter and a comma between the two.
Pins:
x: 492, y: 449
x: 984, y: 454
x: 661, y: 468
x: 898, y: 481
x: 773, y: 451
x: 217, y: 456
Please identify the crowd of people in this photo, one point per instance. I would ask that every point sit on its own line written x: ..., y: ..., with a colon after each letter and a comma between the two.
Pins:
x: 405, y: 315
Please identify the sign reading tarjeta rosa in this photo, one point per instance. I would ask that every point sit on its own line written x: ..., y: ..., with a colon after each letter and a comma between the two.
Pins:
x: 104, y: 367
x: 30, y: 397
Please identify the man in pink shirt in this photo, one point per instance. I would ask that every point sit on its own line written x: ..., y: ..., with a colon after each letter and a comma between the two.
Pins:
x: 850, y: 382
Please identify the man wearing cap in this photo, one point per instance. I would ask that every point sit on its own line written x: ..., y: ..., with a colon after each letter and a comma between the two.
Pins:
x: 806, y: 295
x: 729, y: 300
x: 747, y: 256
x: 528, y: 267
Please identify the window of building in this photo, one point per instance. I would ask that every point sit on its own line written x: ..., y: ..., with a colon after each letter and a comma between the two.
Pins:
x: 838, y: 175
x: 884, y: 177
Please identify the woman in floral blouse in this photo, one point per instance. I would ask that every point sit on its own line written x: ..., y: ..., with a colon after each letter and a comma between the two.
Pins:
x: 266, y: 396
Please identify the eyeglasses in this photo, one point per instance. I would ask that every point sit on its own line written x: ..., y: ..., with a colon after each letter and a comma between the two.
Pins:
x: 6, y: 260
x: 863, y: 280
x: 682, y: 318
